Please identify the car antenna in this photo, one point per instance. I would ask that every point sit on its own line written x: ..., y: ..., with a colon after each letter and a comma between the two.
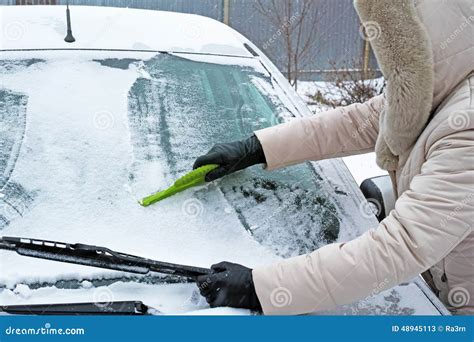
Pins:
x: 69, y: 38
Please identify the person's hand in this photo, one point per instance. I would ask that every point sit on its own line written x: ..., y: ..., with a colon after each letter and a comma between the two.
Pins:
x: 232, y: 157
x: 229, y: 285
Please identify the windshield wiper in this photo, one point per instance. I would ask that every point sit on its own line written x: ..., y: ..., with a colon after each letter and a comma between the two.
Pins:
x: 94, y: 256
x: 112, y: 308
x: 87, y: 255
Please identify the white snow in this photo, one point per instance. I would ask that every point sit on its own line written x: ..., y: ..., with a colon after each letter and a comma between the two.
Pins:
x: 227, y: 60
x: 42, y: 27
x: 86, y: 284
x: 308, y: 88
x: 23, y: 291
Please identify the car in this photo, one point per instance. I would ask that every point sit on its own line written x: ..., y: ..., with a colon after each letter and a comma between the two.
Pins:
x: 90, y: 127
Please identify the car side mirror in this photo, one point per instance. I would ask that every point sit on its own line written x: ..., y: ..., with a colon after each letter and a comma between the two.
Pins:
x: 379, y: 193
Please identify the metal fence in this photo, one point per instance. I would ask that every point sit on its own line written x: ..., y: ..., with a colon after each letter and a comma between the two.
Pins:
x: 337, y: 40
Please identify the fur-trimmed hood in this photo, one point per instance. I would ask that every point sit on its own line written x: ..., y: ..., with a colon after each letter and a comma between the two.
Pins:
x: 424, y: 49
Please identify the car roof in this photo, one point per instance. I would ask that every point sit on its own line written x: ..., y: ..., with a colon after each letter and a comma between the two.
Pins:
x: 44, y: 27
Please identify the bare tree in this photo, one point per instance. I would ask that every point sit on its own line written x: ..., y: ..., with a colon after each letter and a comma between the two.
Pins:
x: 347, y: 86
x: 295, y: 24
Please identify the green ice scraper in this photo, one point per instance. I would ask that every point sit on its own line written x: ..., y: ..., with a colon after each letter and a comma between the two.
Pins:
x: 193, y: 178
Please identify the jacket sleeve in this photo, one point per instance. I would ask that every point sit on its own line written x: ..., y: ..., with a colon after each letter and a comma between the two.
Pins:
x: 428, y: 221
x: 335, y: 133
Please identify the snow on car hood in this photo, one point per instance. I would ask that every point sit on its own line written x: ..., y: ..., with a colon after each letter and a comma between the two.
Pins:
x: 44, y: 27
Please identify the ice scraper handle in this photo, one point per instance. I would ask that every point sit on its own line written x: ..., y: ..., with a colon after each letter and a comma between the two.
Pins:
x: 193, y: 178
x: 232, y: 157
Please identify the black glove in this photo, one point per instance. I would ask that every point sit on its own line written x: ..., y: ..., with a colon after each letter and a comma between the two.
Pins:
x: 229, y: 285
x: 232, y: 157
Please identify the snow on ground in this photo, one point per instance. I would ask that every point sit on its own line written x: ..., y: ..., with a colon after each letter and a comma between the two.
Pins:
x: 361, y: 166
x: 308, y: 88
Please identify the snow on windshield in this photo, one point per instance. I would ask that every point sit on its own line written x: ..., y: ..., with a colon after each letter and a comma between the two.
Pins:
x: 86, y: 135
x: 183, y: 107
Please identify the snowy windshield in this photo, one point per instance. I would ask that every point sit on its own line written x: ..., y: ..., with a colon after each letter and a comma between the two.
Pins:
x: 83, y: 135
